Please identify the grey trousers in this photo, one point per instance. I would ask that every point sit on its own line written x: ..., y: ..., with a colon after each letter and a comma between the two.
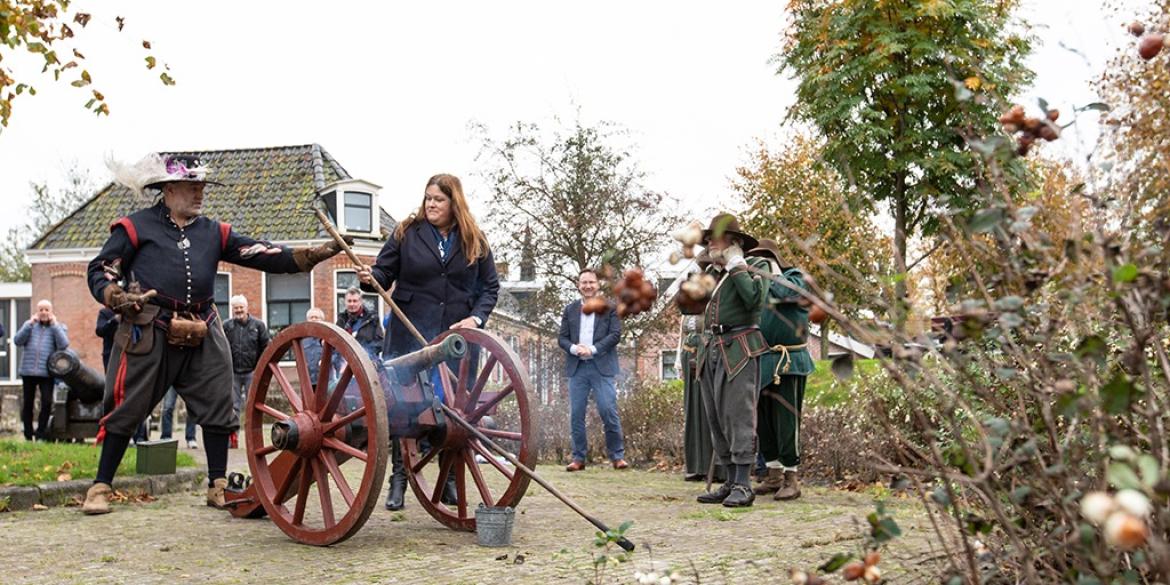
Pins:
x: 201, y: 375
x: 731, y: 409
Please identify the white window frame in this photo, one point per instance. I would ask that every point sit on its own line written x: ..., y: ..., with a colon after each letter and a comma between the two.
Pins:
x: 339, y: 292
x: 335, y: 192
x: 662, y: 366
x: 231, y: 287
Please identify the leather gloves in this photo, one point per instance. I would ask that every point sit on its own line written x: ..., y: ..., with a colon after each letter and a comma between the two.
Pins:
x: 307, y: 258
x: 128, y: 304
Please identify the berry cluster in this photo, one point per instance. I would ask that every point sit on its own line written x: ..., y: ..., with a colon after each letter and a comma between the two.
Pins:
x: 1030, y: 129
x: 635, y: 294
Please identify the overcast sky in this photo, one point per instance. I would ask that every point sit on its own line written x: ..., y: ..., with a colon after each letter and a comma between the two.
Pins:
x: 390, y: 88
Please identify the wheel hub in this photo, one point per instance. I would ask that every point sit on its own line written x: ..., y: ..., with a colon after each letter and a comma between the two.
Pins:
x: 301, y: 434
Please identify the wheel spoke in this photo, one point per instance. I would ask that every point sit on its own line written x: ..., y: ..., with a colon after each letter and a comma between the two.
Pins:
x: 323, y: 493
x: 330, y: 462
x: 491, y: 458
x: 450, y: 392
x: 461, y: 485
x: 344, y: 448
x: 302, y: 496
x: 293, y: 400
x: 490, y: 404
x: 445, y: 464
x: 276, y: 414
x: 325, y: 366
x: 462, y: 382
x: 338, y: 393
x: 417, y: 467
x: 485, y: 494
x: 302, y: 366
x: 480, y: 382
x: 510, y: 435
x: 263, y: 451
x: 333, y: 425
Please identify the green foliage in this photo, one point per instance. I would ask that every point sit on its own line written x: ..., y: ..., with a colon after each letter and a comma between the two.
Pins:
x: 28, y: 463
x: 894, y: 87
x: 47, y: 207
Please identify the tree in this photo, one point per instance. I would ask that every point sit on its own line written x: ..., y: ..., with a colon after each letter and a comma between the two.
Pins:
x: 795, y: 198
x: 894, y: 87
x: 42, y: 28
x: 575, y: 198
x: 47, y: 207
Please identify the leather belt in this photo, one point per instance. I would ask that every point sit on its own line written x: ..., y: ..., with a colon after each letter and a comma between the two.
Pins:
x: 725, y: 329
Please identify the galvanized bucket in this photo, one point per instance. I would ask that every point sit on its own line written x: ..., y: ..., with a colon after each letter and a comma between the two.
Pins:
x: 493, y: 526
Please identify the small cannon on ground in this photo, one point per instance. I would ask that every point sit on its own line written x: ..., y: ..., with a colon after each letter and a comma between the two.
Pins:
x: 324, y: 424
x: 77, y: 398
x: 317, y: 449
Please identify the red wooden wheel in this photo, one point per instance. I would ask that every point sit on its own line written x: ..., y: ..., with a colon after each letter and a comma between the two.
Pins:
x: 500, y: 383
x: 315, y: 435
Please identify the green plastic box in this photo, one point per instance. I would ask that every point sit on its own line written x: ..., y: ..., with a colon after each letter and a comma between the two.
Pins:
x: 157, y: 457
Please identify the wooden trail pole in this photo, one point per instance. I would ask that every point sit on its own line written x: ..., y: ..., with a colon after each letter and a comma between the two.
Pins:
x: 454, y: 415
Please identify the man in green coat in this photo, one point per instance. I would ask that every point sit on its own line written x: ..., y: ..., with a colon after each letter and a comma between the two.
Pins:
x: 728, y: 358
x: 783, y: 372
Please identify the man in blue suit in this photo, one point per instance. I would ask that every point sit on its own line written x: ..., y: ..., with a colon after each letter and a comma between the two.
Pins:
x: 590, y: 340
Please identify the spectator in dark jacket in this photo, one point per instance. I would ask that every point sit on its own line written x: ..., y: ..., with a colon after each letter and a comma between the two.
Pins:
x: 40, y: 336
x: 248, y: 338
x: 362, y: 322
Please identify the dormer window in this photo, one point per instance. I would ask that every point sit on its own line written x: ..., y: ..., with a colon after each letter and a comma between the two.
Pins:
x: 353, y: 206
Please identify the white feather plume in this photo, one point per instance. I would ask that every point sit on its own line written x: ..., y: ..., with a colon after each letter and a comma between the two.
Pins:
x: 138, y: 175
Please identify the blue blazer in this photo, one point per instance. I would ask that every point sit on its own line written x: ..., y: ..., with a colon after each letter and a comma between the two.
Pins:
x: 607, y: 331
x: 434, y: 294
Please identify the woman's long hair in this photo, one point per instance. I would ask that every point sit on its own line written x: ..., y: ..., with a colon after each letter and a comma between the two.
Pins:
x: 474, y: 243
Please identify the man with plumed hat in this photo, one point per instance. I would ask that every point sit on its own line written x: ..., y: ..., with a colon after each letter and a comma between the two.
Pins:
x: 157, y: 270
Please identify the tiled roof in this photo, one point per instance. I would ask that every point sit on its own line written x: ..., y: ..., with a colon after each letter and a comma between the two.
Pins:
x: 269, y: 196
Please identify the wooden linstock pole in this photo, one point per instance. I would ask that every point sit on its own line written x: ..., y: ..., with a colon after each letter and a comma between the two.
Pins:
x: 329, y: 227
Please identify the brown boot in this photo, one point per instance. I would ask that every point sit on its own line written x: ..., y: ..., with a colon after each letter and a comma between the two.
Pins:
x: 791, y: 489
x: 773, y: 482
x: 215, y: 494
x: 97, y: 499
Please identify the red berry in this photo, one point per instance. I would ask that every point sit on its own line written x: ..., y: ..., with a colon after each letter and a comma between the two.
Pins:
x: 1150, y: 46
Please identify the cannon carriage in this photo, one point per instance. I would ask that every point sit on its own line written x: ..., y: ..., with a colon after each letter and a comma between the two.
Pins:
x: 317, y: 448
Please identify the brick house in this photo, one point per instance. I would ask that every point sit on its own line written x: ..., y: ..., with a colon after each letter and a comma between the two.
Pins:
x: 270, y: 194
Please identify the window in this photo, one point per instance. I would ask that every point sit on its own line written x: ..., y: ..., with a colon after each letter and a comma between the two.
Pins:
x: 669, y: 367
x: 342, y: 280
x: 289, y: 297
x: 223, y: 295
x: 359, y: 211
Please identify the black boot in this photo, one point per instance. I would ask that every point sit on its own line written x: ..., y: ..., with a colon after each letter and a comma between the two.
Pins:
x: 397, y: 490
x: 741, y: 495
x: 450, y: 492
x: 717, y: 496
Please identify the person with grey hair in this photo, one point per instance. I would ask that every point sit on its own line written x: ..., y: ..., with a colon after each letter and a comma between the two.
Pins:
x: 248, y: 338
x: 40, y: 336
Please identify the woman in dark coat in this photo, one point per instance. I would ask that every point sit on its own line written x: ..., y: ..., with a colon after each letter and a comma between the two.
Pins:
x: 444, y: 277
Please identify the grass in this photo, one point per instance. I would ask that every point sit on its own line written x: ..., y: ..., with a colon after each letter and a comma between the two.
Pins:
x: 25, y: 463
x: 824, y: 389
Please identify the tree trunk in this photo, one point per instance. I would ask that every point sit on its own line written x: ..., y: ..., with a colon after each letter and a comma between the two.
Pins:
x: 825, y: 345
x: 900, y: 289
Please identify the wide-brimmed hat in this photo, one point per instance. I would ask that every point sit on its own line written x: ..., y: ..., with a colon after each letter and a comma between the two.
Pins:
x: 726, y: 224
x: 767, y: 248
x: 156, y: 170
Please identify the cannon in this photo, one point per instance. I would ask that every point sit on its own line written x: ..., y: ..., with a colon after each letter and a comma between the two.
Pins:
x: 323, y: 424
x: 77, y: 397
x: 317, y: 448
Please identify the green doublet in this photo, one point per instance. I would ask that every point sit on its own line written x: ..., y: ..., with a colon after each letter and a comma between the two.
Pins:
x: 736, y: 304
x: 784, y: 324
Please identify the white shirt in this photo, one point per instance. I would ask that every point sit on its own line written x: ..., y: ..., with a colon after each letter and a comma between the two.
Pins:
x: 585, y: 336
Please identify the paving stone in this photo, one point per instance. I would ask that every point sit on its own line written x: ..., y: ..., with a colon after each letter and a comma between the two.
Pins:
x: 178, y: 539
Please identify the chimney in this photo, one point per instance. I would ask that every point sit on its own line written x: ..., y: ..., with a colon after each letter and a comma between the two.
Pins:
x: 528, y: 257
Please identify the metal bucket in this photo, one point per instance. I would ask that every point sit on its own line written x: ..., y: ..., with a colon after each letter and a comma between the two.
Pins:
x: 493, y: 526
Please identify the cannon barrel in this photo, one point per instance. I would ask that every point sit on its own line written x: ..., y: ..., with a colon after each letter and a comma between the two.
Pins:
x: 85, y: 383
x: 405, y: 368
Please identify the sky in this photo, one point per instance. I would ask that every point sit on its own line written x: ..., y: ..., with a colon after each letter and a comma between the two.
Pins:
x: 391, y: 89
